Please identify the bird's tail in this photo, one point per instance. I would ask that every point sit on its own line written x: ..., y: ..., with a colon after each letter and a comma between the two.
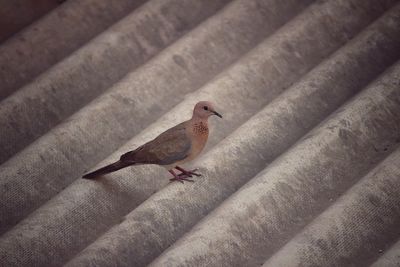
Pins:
x: 107, y: 169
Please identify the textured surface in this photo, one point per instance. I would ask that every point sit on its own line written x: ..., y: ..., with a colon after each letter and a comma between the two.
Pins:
x: 391, y: 258
x: 89, y: 71
x: 301, y: 171
x: 298, y: 185
x: 127, y: 108
x: 55, y: 36
x: 16, y: 14
x: 363, y: 222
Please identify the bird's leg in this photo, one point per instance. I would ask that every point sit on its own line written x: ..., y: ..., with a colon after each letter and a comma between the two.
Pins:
x: 187, y: 173
x: 179, y: 178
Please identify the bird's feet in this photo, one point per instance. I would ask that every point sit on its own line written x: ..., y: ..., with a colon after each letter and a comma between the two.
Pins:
x: 181, y: 178
x: 184, y: 175
x: 188, y: 173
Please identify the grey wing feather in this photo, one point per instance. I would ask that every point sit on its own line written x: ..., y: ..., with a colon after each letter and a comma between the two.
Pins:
x: 169, y: 147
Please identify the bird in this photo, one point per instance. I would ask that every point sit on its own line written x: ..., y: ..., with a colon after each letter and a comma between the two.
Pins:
x: 172, y: 148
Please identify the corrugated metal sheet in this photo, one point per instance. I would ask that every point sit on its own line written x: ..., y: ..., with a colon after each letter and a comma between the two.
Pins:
x: 304, y: 169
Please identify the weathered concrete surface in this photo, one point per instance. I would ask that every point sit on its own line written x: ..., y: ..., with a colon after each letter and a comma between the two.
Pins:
x: 90, y: 135
x: 222, y: 88
x: 170, y: 212
x: 259, y: 218
x: 356, y: 229
x: 85, y: 74
x: 54, y: 36
x: 391, y: 258
x: 76, y: 216
x: 16, y: 14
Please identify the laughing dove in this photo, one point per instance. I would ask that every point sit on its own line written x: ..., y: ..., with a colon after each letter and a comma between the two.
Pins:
x: 177, y: 145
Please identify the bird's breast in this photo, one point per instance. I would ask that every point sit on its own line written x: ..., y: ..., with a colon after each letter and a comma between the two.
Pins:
x: 200, y: 129
x: 200, y: 136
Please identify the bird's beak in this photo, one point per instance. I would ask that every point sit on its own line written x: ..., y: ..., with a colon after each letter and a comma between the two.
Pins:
x: 216, y: 113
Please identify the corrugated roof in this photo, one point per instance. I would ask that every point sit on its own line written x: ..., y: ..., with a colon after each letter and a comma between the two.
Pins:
x: 302, y: 171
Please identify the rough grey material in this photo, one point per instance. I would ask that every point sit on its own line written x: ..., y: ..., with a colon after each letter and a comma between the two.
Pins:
x: 75, y: 216
x: 391, y: 258
x: 55, y: 36
x: 355, y: 229
x: 63, y: 154
x: 67, y: 86
x: 16, y: 14
x: 256, y: 220
x: 170, y: 212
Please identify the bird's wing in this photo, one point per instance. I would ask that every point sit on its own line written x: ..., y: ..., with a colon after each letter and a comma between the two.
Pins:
x: 169, y: 147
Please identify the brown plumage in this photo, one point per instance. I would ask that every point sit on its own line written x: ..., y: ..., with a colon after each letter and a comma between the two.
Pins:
x: 177, y: 145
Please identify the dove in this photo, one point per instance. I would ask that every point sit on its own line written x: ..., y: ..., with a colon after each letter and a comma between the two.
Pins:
x: 172, y: 148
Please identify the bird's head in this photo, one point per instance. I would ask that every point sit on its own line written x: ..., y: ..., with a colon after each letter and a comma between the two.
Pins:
x: 204, y: 109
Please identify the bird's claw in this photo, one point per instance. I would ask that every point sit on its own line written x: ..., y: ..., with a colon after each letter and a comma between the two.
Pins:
x: 190, y: 173
x: 194, y: 172
x: 184, y: 175
x: 181, y: 178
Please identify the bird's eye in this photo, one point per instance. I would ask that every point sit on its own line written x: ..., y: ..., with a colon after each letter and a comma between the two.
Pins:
x: 205, y: 108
